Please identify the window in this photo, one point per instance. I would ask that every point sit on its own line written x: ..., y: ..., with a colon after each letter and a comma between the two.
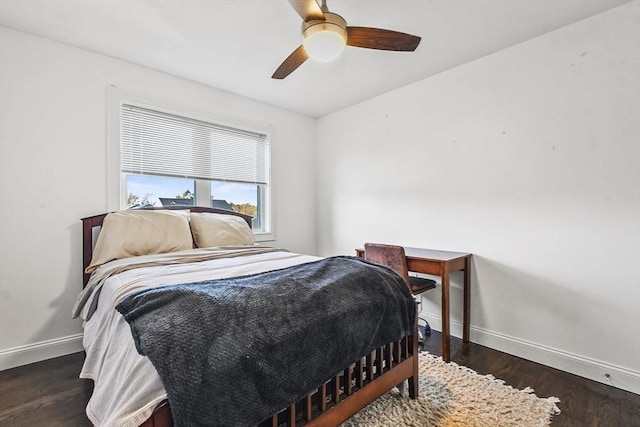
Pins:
x: 169, y: 159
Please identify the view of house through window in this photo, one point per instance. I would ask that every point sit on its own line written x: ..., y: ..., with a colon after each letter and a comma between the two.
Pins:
x: 148, y: 191
x: 240, y: 197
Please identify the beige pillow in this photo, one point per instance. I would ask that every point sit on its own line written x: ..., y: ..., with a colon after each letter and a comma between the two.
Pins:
x: 136, y: 232
x: 210, y: 230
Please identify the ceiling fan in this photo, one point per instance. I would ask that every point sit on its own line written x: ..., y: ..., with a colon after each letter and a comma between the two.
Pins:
x: 326, y: 33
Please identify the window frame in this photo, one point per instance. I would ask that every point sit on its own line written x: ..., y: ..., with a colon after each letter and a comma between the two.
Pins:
x: 116, y: 179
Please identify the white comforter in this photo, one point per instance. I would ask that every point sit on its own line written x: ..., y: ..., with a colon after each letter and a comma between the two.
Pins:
x: 127, y: 387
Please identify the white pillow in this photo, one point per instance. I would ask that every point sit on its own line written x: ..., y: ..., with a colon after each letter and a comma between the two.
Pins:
x: 211, y: 230
x: 137, y: 232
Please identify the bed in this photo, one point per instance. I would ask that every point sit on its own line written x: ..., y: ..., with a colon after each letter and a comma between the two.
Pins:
x: 132, y: 389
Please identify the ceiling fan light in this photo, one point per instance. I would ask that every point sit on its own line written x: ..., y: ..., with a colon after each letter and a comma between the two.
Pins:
x: 324, y: 45
x: 325, y: 40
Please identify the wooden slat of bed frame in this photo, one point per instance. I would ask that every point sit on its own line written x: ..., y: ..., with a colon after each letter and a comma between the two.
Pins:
x: 292, y: 415
x: 335, y: 391
x: 323, y: 398
x: 379, y: 362
x: 387, y: 356
x: 369, y: 368
x: 308, y: 408
x: 348, y: 378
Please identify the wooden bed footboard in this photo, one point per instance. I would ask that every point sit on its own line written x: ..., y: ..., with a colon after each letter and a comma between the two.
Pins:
x: 345, y: 393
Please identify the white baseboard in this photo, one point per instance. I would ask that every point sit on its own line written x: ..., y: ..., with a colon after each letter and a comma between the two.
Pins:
x: 596, y: 370
x: 39, y: 351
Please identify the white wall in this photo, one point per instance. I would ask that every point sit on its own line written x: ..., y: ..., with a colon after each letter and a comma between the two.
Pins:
x: 528, y: 158
x: 53, y: 107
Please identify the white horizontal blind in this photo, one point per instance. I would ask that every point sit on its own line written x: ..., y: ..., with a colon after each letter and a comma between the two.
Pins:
x: 158, y: 143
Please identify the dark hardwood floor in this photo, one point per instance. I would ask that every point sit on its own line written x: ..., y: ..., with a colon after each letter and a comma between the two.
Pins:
x: 49, y: 393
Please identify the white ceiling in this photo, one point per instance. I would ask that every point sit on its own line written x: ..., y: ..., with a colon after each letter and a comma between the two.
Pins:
x: 236, y: 45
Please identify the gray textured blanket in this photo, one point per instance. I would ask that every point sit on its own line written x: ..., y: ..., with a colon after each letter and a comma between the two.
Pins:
x: 232, y: 352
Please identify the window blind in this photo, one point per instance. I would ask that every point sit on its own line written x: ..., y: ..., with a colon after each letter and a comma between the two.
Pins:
x: 158, y: 143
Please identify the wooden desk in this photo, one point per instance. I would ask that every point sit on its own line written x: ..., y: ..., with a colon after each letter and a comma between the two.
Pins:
x: 442, y: 263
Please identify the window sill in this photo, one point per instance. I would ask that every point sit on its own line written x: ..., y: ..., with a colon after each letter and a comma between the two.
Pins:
x: 264, y: 237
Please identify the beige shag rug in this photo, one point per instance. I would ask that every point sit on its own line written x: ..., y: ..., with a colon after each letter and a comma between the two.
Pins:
x: 453, y: 395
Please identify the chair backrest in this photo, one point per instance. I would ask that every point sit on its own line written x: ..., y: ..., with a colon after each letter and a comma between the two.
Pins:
x: 391, y: 256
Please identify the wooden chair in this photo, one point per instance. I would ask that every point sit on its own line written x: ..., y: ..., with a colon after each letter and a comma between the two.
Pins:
x: 393, y: 256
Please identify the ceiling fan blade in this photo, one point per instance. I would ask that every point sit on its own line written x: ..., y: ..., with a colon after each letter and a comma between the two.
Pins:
x: 307, y: 9
x: 290, y: 64
x: 377, y: 38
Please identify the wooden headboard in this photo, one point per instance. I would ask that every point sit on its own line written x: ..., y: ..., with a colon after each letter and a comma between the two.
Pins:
x: 89, y: 224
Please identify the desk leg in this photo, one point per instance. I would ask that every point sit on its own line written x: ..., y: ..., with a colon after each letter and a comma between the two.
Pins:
x: 466, y: 321
x: 446, y: 342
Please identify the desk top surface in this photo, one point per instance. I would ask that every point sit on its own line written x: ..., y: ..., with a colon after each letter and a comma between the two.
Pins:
x: 431, y: 254
x: 434, y: 254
